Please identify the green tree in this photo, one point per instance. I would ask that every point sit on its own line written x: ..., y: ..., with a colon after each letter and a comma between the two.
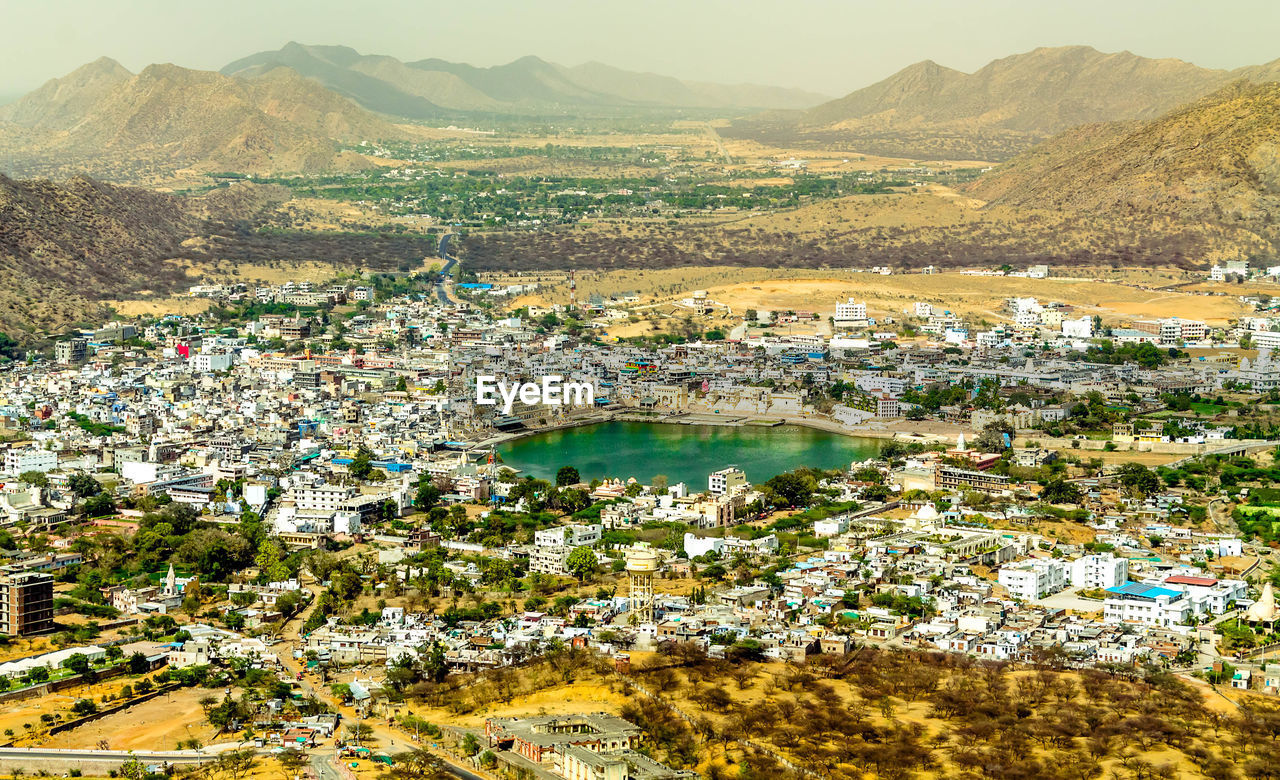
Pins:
x: 361, y: 464
x: 567, y: 475
x: 138, y: 664
x: 270, y: 564
x: 1139, y: 479
x: 36, y: 478
x: 77, y: 663
x: 581, y: 562
x: 1059, y: 491
x: 83, y: 485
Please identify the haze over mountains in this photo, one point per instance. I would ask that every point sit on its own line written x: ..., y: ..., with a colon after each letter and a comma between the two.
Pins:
x: 430, y: 88
x: 1217, y: 160
x: 107, y: 121
x: 930, y: 111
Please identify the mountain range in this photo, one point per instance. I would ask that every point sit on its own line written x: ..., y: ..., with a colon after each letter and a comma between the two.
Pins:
x: 107, y: 121
x: 431, y: 88
x: 930, y: 111
x: 1217, y: 160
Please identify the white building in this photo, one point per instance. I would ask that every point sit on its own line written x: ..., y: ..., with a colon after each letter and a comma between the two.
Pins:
x: 212, y: 361
x: 1099, y: 571
x: 1035, y: 579
x: 726, y: 480
x: 321, y: 498
x: 1148, y: 605
x: 16, y: 461
x: 851, y: 312
x: 1078, y: 329
x: 569, y: 536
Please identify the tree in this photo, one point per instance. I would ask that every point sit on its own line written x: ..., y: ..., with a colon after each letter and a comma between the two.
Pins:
x: 215, y: 554
x: 992, y: 438
x: 1139, y: 479
x: 77, y: 662
x: 582, y: 562
x: 83, y: 485
x: 84, y: 707
x: 435, y: 665
x: 138, y: 664
x: 419, y: 764
x: 790, y: 489
x: 359, y: 732
x: 269, y: 563
x: 35, y: 478
x: 428, y: 494
x: 236, y: 764
x: 567, y: 475
x: 361, y: 464
x: 1059, y: 491
x: 292, y: 762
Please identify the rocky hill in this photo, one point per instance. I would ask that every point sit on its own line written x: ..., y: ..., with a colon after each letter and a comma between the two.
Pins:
x: 103, y: 120
x: 65, y: 246
x: 930, y: 111
x: 1217, y: 159
x: 432, y: 88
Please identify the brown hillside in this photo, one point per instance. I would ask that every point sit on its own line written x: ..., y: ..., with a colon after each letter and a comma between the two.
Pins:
x: 1217, y: 159
x: 931, y: 112
x: 166, y: 117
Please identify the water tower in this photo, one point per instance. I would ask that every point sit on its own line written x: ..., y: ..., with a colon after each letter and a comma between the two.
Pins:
x: 641, y: 566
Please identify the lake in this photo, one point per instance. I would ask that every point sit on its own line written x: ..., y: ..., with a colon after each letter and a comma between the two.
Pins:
x: 684, y: 453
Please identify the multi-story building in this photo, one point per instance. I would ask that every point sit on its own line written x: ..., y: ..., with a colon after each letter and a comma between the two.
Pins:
x: 17, y: 461
x: 71, y: 351
x: 1150, y: 605
x: 570, y: 536
x: 850, y: 312
x: 1036, y: 579
x: 321, y: 498
x: 726, y: 480
x: 1099, y: 571
x: 26, y: 603
x: 948, y: 476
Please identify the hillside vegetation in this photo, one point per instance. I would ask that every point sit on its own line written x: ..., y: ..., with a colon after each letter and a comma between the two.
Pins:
x: 66, y: 247
x: 1217, y: 160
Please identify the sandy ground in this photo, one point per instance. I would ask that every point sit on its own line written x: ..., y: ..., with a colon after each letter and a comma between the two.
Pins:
x: 971, y: 296
x: 982, y: 297
x: 158, y: 724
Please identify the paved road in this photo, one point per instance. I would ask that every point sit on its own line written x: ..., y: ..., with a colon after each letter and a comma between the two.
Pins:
x: 53, y: 754
x: 389, y: 739
x: 442, y: 291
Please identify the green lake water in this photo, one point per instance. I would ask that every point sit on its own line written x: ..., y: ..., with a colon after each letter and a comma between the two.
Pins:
x: 684, y: 453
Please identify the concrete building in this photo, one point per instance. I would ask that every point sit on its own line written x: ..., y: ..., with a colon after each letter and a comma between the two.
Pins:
x: 1034, y: 579
x: 17, y: 461
x: 1099, y: 571
x: 26, y: 603
x: 726, y: 480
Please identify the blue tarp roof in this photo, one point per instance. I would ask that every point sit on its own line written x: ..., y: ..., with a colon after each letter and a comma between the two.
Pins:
x: 1142, y: 590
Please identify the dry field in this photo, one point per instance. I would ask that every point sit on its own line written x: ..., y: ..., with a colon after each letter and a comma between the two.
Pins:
x: 979, y: 297
x: 730, y: 703
x: 158, y: 724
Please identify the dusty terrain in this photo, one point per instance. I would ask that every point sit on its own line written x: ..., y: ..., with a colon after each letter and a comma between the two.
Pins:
x: 980, y: 297
x: 158, y: 724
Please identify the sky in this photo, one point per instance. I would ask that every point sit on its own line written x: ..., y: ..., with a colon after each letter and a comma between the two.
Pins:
x: 828, y: 46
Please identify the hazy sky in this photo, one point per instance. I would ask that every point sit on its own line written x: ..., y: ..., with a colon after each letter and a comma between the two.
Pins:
x: 823, y: 45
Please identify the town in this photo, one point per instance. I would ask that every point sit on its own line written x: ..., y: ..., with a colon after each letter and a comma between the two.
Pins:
x: 300, y: 496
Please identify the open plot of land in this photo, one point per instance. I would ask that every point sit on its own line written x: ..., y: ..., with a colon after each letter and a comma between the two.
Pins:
x: 980, y: 297
x: 158, y: 724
